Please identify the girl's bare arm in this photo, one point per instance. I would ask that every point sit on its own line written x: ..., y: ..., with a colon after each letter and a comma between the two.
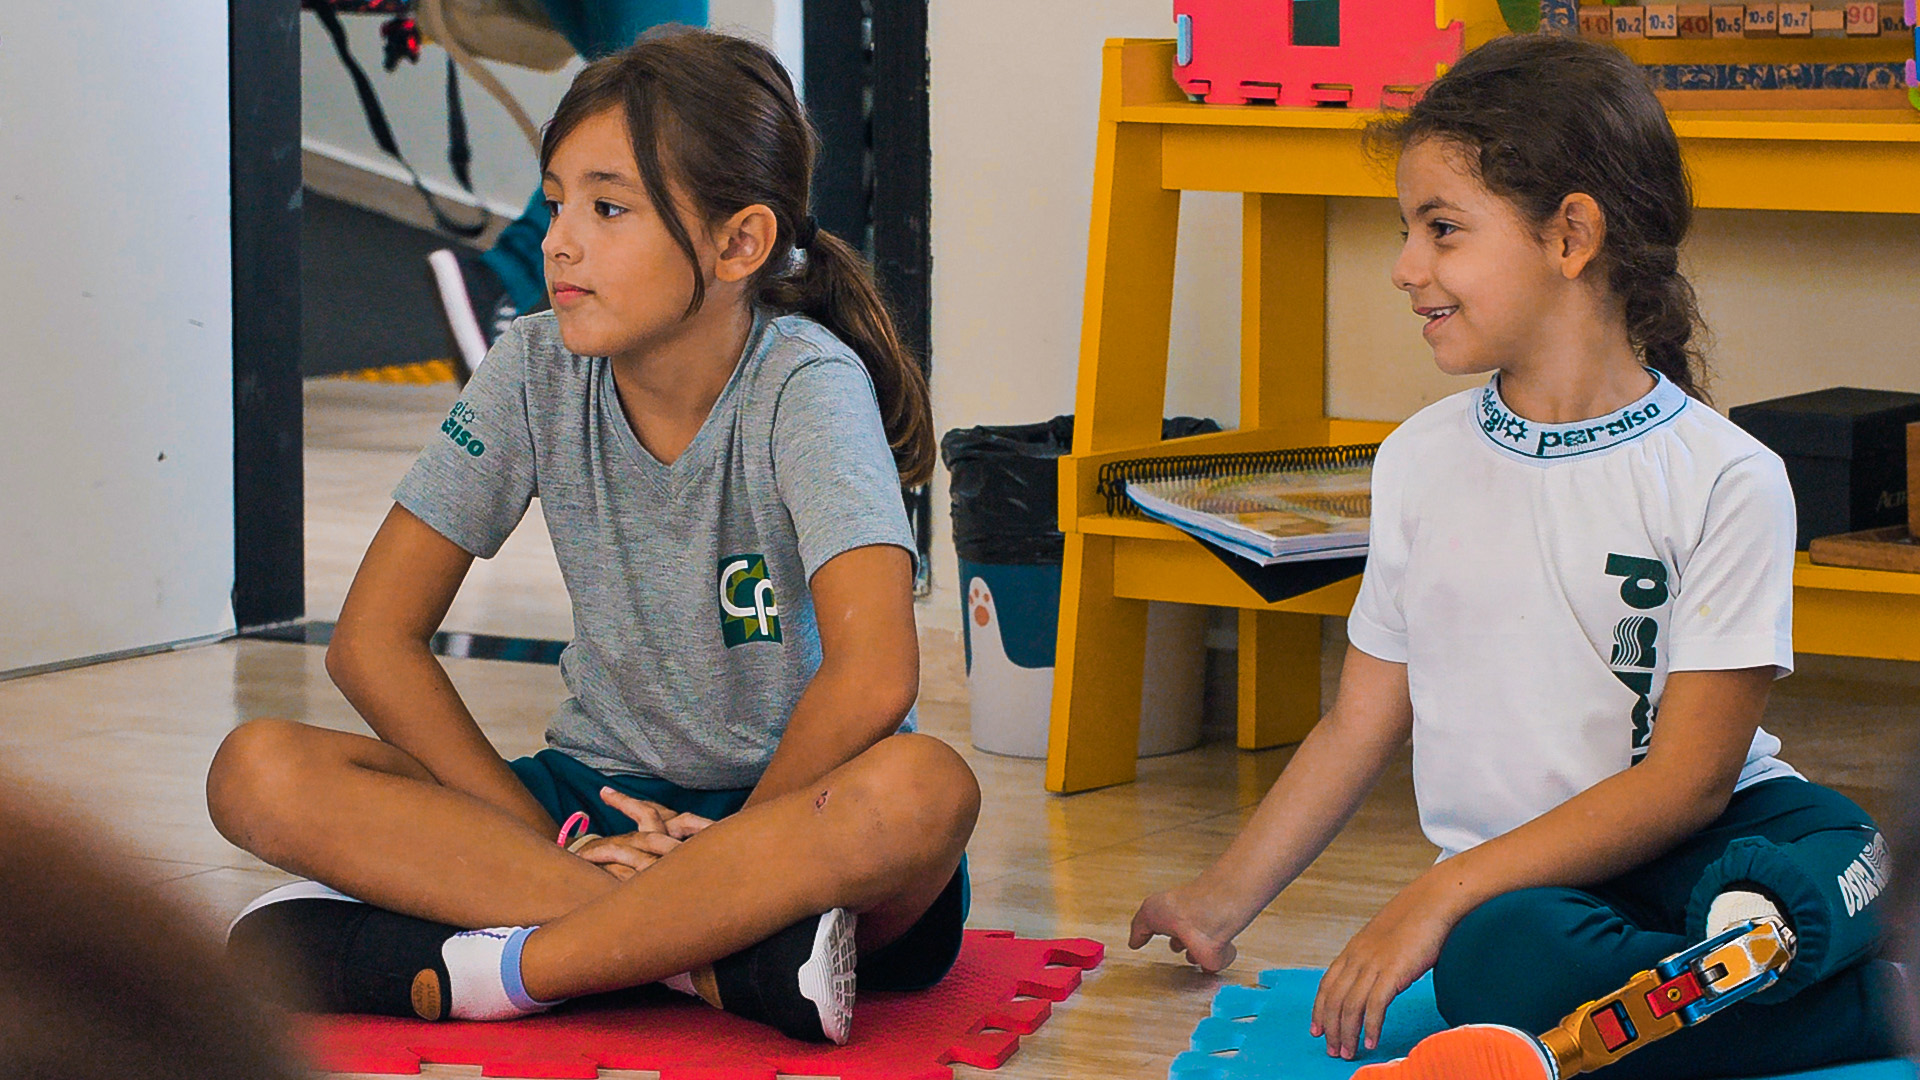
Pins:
x: 381, y: 660
x: 1321, y: 788
x: 869, y: 668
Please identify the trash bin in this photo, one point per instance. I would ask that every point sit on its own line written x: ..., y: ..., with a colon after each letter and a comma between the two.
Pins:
x: 1004, y: 483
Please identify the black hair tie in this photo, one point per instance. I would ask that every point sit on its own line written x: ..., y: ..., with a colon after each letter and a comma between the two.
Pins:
x: 804, y: 236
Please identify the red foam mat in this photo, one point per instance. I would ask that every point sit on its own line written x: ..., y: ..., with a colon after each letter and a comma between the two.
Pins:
x: 1001, y: 988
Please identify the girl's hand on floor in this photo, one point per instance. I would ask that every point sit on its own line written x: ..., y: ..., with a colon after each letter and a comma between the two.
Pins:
x: 1180, y: 917
x: 1398, y: 946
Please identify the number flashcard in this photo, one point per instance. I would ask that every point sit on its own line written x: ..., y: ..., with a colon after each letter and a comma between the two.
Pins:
x: 1795, y: 19
x: 1663, y: 20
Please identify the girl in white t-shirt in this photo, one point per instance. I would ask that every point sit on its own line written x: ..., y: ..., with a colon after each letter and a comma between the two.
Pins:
x: 1578, y: 593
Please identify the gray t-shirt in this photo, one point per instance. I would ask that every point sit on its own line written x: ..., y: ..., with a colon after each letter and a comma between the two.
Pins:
x: 694, y: 631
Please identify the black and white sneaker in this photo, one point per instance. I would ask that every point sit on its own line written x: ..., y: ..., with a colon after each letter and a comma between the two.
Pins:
x: 800, y: 980
x: 317, y: 949
x: 475, y: 303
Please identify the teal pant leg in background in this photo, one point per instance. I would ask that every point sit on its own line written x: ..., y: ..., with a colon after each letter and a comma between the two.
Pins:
x: 1528, y: 958
x: 596, y: 28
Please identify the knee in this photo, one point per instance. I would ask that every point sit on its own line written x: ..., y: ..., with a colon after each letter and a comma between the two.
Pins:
x: 924, y: 793
x: 257, y: 768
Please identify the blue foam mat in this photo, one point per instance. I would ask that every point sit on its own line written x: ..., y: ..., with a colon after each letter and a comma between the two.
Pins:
x: 1261, y: 1032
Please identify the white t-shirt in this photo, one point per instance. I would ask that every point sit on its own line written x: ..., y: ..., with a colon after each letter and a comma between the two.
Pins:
x: 1540, y: 581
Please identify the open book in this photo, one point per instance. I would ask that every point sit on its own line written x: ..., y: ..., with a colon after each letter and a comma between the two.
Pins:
x: 1277, y: 507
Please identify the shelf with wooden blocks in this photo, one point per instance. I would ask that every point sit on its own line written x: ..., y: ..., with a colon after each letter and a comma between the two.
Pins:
x: 1152, y: 145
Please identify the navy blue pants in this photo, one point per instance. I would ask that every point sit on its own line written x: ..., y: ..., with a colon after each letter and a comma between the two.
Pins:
x: 1530, y: 957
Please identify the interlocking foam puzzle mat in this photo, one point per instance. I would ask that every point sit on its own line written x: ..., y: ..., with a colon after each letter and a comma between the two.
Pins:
x: 1262, y: 1032
x: 1001, y: 988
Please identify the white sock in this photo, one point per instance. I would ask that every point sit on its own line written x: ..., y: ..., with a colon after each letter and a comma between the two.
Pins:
x: 1739, y: 906
x: 483, y: 969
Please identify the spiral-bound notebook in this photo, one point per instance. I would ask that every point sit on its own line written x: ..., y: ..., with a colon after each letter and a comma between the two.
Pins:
x: 1275, y: 507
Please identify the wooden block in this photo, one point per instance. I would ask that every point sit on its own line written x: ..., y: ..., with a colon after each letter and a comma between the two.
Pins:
x: 1913, y: 479
x: 1596, y: 22
x: 1763, y: 20
x: 1889, y: 548
x: 1729, y: 21
x: 1893, y: 20
x: 1696, y: 21
x: 1629, y: 21
x: 1829, y: 22
x: 1663, y: 20
x: 1796, y: 19
x: 1863, y: 19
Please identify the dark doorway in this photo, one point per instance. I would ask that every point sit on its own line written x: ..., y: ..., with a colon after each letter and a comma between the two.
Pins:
x: 866, y: 88
x: 269, y: 503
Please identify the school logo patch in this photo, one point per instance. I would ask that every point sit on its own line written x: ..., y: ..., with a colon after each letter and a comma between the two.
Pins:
x: 455, y: 428
x: 748, y: 611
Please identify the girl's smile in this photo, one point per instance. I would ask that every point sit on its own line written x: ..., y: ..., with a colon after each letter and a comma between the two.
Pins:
x: 1434, y: 316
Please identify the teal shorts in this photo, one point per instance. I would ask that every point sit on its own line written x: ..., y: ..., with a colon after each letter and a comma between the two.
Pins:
x: 915, y: 961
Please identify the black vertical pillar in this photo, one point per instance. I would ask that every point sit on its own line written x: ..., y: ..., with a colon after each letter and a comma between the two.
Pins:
x: 903, y: 195
x: 836, y: 82
x: 866, y: 84
x: 269, y: 572
x: 902, y: 166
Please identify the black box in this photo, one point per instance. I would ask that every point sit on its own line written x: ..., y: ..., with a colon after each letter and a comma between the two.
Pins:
x: 1846, y: 454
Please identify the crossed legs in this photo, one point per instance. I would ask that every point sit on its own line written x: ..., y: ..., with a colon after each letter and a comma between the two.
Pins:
x: 366, y: 818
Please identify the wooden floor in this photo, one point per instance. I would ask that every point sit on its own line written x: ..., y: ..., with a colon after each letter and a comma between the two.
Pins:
x: 1042, y: 865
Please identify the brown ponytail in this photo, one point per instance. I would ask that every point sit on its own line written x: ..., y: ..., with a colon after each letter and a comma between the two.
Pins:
x: 1540, y: 117
x: 718, y: 115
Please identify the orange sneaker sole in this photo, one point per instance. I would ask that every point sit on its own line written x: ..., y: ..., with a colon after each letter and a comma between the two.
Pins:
x: 1473, y: 1052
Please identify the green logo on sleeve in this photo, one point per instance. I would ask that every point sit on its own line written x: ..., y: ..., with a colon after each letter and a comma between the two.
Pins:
x: 455, y: 428
x: 748, y: 611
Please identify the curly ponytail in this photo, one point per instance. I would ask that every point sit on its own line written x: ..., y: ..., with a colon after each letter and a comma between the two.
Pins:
x: 718, y: 114
x: 1541, y: 117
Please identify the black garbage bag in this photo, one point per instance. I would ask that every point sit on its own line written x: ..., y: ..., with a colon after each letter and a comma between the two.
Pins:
x: 1005, y: 485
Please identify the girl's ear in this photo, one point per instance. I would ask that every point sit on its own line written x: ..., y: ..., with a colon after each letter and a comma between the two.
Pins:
x: 1577, y: 233
x: 744, y: 241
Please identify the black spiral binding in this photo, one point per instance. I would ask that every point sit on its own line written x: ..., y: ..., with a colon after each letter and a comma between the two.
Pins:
x: 1116, y: 475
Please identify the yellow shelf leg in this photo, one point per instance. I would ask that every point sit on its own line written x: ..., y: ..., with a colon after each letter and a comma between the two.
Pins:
x: 1095, y: 733
x: 1279, y: 698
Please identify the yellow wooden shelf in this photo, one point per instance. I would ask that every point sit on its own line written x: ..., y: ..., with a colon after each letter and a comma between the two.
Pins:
x: 1807, y: 576
x: 1877, y: 49
x: 1809, y: 125
x: 1154, y: 144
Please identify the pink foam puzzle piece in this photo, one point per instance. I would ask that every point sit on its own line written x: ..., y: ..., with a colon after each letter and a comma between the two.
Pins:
x: 1001, y: 988
x: 1243, y: 52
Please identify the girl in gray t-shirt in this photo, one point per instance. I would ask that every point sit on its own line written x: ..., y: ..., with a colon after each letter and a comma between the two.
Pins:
x: 717, y: 418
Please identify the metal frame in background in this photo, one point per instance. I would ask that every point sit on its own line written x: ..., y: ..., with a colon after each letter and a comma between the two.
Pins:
x: 866, y: 89
x: 269, y: 499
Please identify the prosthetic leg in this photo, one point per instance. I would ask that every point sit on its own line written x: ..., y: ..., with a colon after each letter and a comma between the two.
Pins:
x: 1681, y: 991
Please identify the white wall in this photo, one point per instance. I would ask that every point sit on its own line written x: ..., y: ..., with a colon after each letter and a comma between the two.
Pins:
x: 116, y: 370
x: 1015, y: 94
x: 504, y: 168
x: 1797, y: 301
